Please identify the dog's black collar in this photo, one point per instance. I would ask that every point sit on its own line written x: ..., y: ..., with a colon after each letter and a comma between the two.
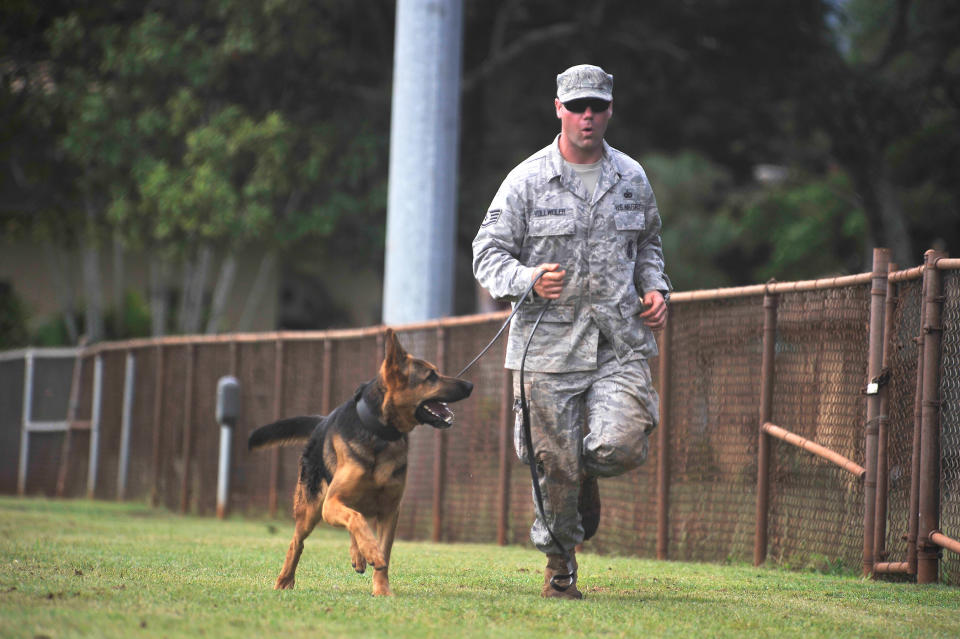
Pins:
x: 373, y: 424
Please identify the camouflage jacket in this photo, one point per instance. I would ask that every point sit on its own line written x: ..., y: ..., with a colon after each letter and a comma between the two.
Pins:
x: 608, y: 243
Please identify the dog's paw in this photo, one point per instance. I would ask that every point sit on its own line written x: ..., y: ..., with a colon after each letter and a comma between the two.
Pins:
x: 284, y: 583
x: 357, y: 560
x: 374, y: 557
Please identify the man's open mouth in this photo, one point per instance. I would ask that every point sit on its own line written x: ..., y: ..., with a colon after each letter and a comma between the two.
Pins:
x: 435, y: 413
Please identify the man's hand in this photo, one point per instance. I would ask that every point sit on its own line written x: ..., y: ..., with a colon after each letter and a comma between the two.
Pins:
x: 656, y: 314
x: 550, y: 285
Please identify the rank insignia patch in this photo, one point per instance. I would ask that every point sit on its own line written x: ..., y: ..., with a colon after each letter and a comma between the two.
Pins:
x: 492, y: 216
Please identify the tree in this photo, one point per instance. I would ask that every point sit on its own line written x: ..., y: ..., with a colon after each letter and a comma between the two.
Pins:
x: 194, y: 130
x: 36, y: 184
x: 890, y: 104
x: 855, y: 102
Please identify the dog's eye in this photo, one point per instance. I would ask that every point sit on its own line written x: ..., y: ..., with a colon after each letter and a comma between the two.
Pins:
x: 432, y: 377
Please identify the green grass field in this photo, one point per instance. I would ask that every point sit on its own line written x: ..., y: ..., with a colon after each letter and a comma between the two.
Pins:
x: 94, y: 569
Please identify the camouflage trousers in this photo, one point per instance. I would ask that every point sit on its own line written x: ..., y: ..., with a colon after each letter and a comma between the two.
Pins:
x: 583, y: 423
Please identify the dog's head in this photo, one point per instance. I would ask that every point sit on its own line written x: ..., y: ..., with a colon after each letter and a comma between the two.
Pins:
x: 414, y: 390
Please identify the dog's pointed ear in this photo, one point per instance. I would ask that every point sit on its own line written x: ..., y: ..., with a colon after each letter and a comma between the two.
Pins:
x: 394, y: 357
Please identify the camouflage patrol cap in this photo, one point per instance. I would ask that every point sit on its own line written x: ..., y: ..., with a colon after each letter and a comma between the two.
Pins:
x: 584, y: 81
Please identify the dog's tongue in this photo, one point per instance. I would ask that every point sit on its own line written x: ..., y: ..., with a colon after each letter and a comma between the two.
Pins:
x: 440, y: 409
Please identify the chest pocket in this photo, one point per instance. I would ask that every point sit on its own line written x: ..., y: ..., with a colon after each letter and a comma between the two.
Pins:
x: 546, y: 227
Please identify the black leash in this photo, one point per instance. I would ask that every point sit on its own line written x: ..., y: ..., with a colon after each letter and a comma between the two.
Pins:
x: 559, y: 581
x: 516, y: 308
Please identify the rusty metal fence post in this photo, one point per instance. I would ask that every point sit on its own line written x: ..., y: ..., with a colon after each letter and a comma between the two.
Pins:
x: 73, y: 402
x: 272, y: 497
x: 187, y: 430
x: 914, y: 512
x: 878, y: 294
x: 883, y: 450
x: 770, y: 302
x: 505, y: 450
x: 157, y: 439
x: 663, y: 443
x: 928, y: 553
x: 440, y: 459
x: 326, y: 389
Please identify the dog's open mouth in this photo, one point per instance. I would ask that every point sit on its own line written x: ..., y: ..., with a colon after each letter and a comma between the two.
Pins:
x: 434, y: 413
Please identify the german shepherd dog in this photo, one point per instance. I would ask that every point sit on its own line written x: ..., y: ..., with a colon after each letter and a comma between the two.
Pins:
x: 354, y: 466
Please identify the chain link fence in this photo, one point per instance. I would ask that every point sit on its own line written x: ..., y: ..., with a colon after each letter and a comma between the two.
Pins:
x: 466, y: 484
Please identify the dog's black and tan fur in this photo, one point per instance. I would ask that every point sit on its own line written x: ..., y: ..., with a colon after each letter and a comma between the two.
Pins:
x: 353, y: 468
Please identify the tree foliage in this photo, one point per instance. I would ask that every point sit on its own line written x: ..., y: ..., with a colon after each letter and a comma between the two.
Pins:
x: 199, y: 127
x: 854, y: 102
x: 195, y: 129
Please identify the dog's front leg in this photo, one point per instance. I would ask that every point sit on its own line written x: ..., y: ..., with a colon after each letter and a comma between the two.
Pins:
x: 386, y: 529
x: 356, y: 558
x: 336, y: 513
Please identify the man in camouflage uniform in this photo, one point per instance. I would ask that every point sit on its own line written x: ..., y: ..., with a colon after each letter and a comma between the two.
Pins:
x: 584, y: 214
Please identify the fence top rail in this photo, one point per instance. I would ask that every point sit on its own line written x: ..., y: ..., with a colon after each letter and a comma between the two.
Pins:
x: 914, y: 273
x: 291, y: 336
x: 41, y: 353
x: 948, y: 263
x: 465, y: 320
x: 772, y: 288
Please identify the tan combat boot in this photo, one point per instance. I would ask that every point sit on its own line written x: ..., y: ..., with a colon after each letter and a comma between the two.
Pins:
x: 565, y: 588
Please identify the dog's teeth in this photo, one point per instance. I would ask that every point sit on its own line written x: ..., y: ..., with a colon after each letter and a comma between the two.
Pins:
x: 439, y: 411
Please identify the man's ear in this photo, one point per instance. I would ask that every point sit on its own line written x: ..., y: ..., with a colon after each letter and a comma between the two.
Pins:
x: 557, y: 104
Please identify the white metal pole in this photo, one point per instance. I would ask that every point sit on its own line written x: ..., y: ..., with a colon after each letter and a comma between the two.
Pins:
x: 95, y: 426
x: 26, y: 413
x: 424, y: 139
x: 128, y: 385
x: 227, y: 413
x: 223, y: 474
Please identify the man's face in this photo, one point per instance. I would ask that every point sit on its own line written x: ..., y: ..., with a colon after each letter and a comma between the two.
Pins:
x: 582, y: 133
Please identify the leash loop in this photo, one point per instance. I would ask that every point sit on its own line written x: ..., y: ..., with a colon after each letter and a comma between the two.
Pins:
x: 559, y: 581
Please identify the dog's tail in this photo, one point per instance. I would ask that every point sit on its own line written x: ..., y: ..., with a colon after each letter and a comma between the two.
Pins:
x: 294, y: 430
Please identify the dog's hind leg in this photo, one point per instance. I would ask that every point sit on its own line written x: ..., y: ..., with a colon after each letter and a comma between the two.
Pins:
x: 386, y: 529
x: 306, y: 513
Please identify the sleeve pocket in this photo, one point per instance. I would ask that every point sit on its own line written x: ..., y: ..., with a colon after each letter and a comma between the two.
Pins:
x: 629, y: 220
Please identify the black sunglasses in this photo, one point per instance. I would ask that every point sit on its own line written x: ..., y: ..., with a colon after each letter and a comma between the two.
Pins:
x: 579, y: 106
